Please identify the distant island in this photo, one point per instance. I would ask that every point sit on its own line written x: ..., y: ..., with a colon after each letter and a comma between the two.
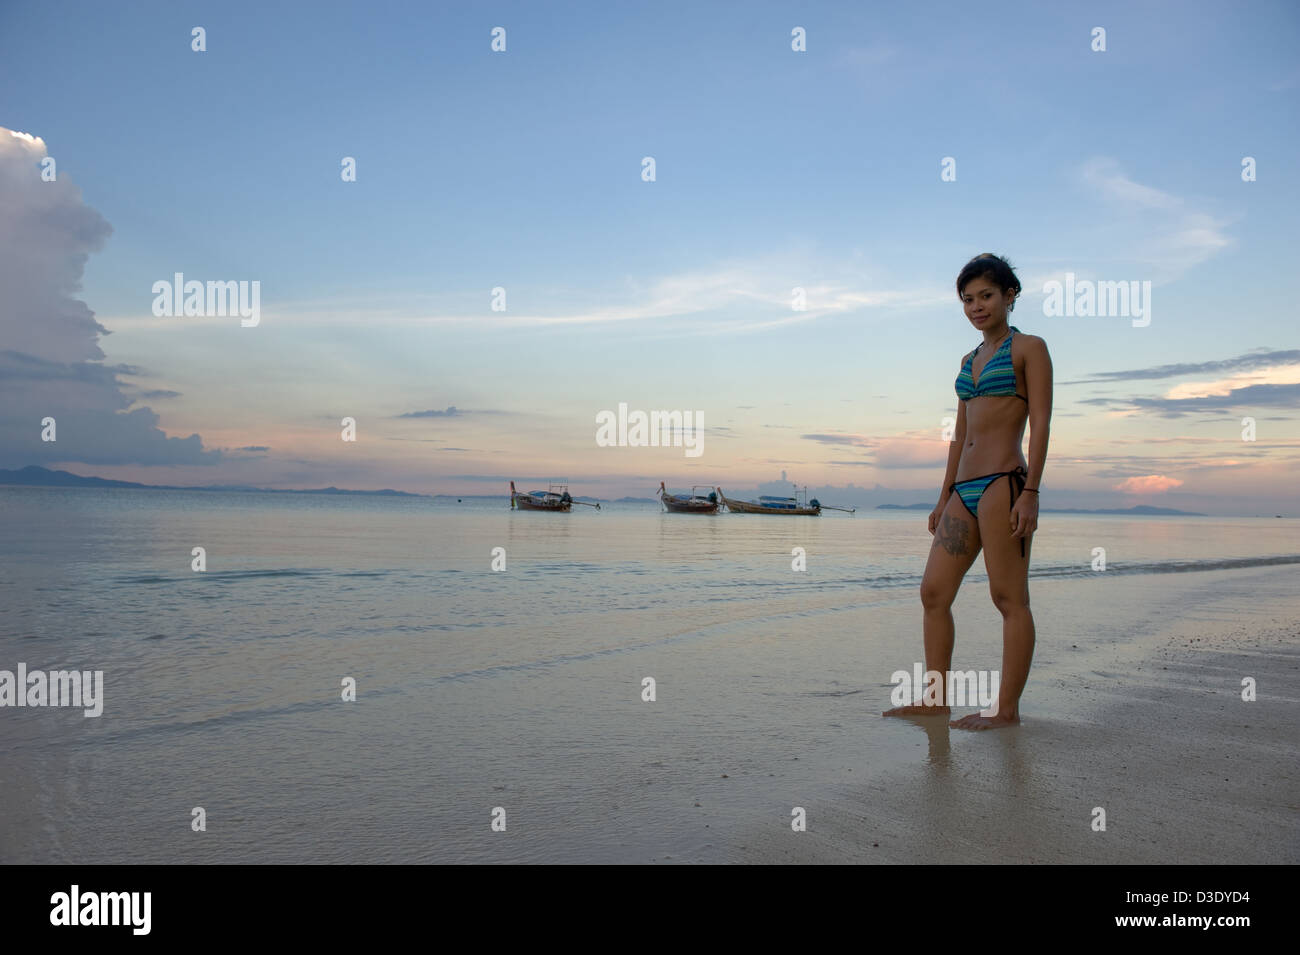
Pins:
x: 1144, y: 509
x: 33, y: 476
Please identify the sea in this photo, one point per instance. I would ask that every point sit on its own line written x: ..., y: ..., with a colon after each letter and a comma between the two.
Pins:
x: 354, y: 678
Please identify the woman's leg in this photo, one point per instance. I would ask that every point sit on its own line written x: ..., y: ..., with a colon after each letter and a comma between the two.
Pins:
x: 1008, y: 575
x: 956, y: 542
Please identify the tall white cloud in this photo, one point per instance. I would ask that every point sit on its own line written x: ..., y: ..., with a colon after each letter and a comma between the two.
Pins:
x: 50, y: 359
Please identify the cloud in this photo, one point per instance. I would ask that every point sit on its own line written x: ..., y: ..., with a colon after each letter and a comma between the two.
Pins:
x: 1263, y: 378
x: 1172, y: 237
x: 1148, y: 484
x: 1237, y: 400
x: 1263, y: 359
x: 503, y: 479
x: 897, y: 453
x: 451, y: 411
x: 849, y: 440
x: 925, y: 450
x: 1105, y: 465
x: 725, y: 298
x: 50, y: 366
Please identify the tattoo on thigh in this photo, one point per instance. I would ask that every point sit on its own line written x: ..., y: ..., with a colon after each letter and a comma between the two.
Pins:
x: 953, y: 536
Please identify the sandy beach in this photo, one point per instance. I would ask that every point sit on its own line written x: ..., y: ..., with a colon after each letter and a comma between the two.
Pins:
x: 1155, y: 732
x: 524, y: 690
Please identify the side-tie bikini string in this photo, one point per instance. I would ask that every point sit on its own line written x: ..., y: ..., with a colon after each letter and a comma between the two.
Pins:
x: 1021, y: 475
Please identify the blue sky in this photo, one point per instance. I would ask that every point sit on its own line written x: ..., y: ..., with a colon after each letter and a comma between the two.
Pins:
x: 775, y: 169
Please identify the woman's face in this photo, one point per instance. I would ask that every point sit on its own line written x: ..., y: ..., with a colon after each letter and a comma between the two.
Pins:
x: 985, y: 303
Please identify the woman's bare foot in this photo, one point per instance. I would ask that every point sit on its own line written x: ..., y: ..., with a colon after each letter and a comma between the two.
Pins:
x: 917, y: 710
x: 977, y: 721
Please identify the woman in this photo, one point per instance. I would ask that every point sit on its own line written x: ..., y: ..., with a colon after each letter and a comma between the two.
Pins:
x: 990, y: 496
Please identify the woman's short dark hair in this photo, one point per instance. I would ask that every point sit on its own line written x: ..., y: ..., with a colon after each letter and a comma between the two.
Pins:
x: 992, y: 267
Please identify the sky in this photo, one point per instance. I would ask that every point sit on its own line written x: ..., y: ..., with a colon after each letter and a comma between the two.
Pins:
x: 864, y: 169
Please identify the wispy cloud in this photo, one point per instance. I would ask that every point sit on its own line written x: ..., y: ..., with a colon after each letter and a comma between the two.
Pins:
x: 1264, y: 378
x: 705, y: 302
x: 1286, y: 82
x: 1236, y: 400
x: 851, y: 440
x: 898, y: 452
x: 1263, y: 359
x: 451, y: 411
x: 1170, y: 235
x: 157, y: 394
x: 727, y: 298
x: 1124, y: 466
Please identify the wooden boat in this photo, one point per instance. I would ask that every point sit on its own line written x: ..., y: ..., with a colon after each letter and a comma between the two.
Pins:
x: 693, y: 503
x: 555, y: 498
x: 769, y: 504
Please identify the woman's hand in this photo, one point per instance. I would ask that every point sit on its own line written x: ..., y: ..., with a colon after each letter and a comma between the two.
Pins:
x: 938, y: 511
x: 1024, y: 515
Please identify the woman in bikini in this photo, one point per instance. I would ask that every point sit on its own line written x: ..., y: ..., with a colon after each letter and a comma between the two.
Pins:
x: 990, y: 495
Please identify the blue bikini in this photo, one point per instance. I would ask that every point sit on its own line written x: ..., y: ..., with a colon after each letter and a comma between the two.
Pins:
x: 997, y: 379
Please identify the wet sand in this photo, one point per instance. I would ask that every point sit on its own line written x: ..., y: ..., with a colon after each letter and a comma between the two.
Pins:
x: 1185, y: 770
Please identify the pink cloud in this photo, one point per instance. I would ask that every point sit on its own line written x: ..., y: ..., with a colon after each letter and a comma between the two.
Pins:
x: 922, y: 451
x: 1148, y: 484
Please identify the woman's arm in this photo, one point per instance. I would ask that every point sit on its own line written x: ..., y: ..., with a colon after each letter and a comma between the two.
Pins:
x: 954, y: 456
x: 1038, y: 384
x: 954, y: 451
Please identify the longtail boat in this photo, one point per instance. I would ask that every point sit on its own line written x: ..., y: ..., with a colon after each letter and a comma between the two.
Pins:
x: 555, y: 498
x: 693, y: 503
x: 770, y: 504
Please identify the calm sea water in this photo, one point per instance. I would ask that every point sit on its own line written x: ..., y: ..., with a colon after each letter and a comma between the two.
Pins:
x: 476, y: 689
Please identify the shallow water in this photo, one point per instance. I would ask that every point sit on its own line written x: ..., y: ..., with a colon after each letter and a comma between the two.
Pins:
x: 477, y: 689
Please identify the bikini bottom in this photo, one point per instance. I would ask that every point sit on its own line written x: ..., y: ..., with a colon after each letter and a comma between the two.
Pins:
x: 970, y: 491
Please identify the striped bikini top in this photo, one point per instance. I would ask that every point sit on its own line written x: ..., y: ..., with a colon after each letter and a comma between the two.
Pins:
x: 997, y: 377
